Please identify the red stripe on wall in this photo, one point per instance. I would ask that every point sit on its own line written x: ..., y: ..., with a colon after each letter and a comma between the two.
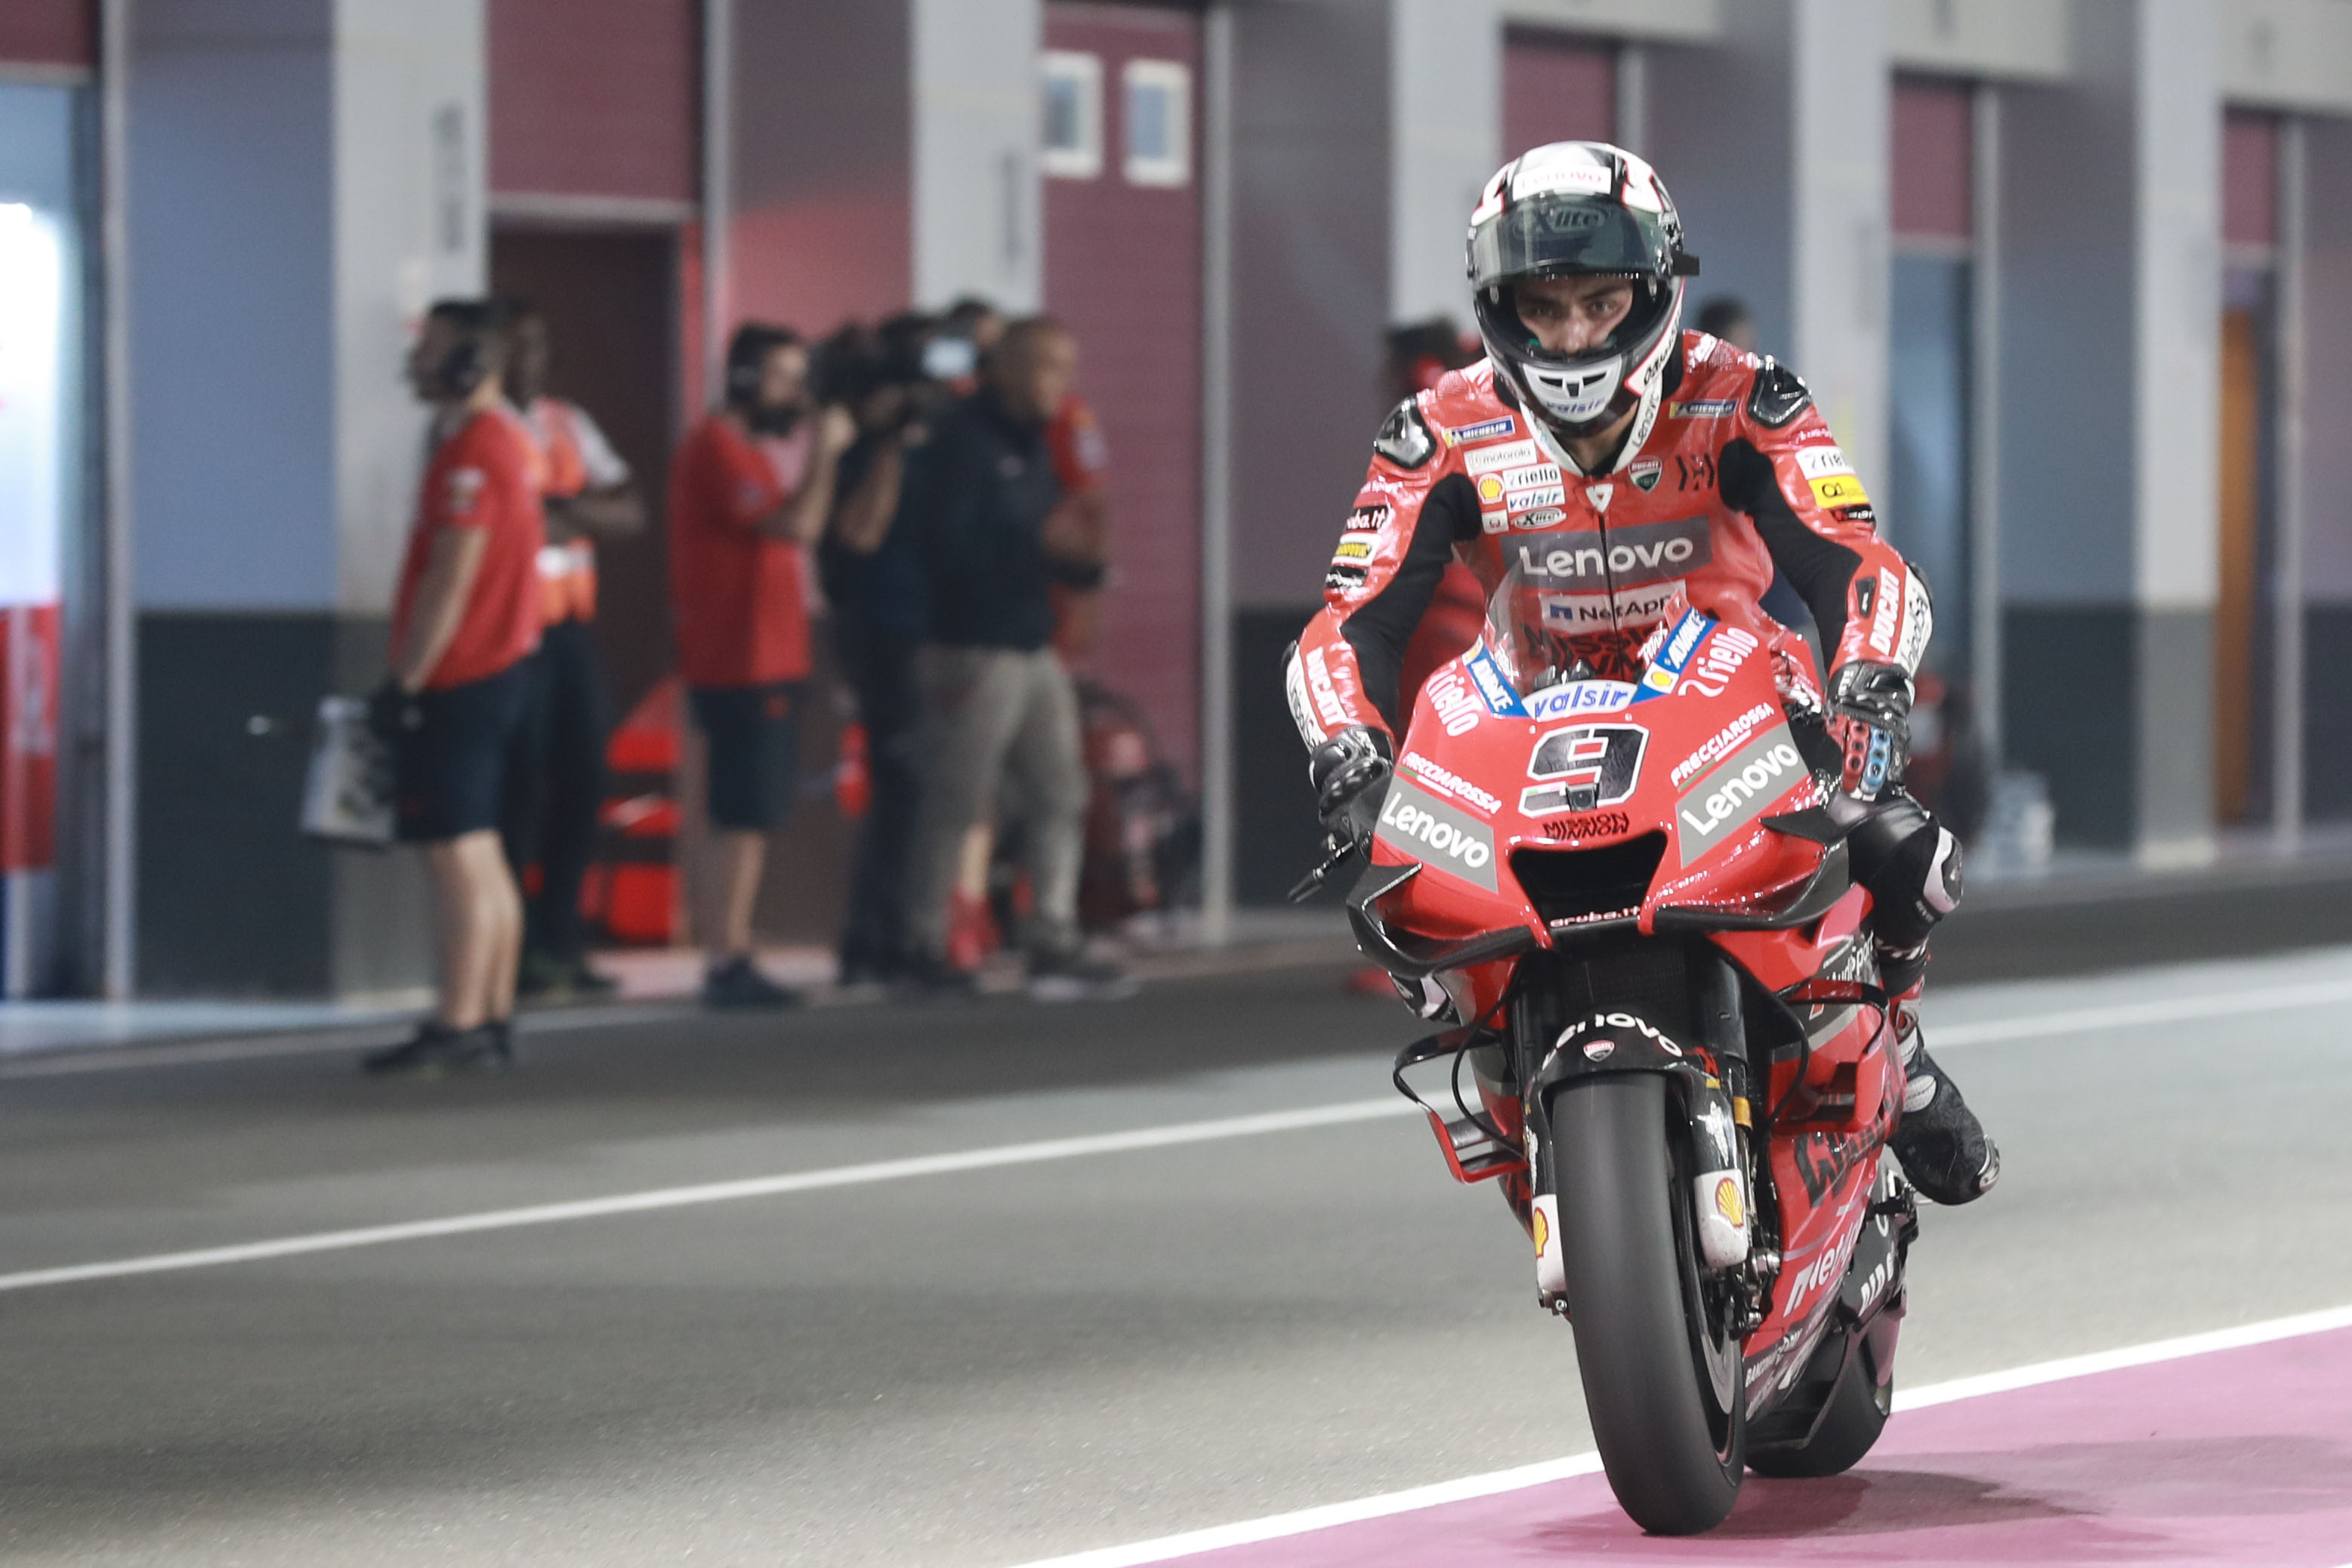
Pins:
x: 1931, y: 160
x: 2250, y: 179
x: 49, y: 33
x: 1123, y: 271
x: 595, y: 97
x: 1556, y: 88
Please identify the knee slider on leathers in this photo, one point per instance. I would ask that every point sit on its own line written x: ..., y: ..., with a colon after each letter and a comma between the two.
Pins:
x: 1911, y: 864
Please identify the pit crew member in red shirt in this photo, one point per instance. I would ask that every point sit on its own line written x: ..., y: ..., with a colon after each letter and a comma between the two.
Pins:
x: 750, y: 492
x: 1696, y: 469
x: 555, y: 781
x: 466, y: 617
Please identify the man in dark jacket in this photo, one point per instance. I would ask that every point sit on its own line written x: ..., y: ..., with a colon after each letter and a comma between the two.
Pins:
x: 997, y: 536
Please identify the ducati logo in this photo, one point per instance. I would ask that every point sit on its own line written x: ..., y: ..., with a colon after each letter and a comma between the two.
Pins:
x: 1644, y: 474
x: 1599, y: 495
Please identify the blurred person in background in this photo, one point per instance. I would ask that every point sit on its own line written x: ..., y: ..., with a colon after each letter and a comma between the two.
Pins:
x: 995, y: 696
x: 751, y: 488
x: 466, y: 619
x: 1420, y: 354
x: 1726, y: 316
x: 1082, y: 462
x: 556, y: 782
x: 970, y: 319
x: 874, y: 580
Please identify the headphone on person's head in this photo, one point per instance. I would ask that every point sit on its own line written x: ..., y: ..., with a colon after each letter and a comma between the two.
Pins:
x: 468, y: 362
x: 747, y: 358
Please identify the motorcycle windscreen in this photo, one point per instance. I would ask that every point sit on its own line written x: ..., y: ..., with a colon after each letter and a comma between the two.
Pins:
x: 1541, y: 635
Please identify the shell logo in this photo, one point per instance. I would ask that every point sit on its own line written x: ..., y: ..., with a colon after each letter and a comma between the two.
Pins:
x: 1727, y: 1201
x: 1542, y: 1227
x: 1490, y: 489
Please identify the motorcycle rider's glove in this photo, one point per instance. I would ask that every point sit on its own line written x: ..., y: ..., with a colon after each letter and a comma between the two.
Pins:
x: 1350, y: 775
x: 1870, y: 718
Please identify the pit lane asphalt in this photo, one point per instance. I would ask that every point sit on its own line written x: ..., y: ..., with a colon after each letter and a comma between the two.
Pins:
x: 982, y: 1368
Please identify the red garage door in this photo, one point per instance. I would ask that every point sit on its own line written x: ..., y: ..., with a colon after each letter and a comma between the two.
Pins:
x: 49, y: 33
x: 1556, y: 89
x: 1123, y: 268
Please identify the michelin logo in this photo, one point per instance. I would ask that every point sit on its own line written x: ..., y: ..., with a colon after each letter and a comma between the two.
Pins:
x: 1737, y: 793
x: 1417, y: 823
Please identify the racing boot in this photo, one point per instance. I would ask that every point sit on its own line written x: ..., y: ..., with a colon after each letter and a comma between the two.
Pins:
x: 1943, y: 1148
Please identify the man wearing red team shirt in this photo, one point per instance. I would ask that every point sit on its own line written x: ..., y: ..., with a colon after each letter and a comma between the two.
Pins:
x: 750, y: 492
x: 467, y: 616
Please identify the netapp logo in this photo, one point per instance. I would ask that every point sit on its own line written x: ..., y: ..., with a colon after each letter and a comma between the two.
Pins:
x: 1627, y: 557
x: 1425, y: 827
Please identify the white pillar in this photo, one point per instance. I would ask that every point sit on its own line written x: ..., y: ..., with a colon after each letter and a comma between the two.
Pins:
x: 304, y: 179
x: 410, y: 114
x: 1446, y: 75
x: 1838, y: 241
x: 978, y: 226
x: 1774, y: 146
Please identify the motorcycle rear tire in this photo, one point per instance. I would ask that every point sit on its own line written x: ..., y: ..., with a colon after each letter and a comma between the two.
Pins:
x: 1673, y: 1452
x: 1846, y: 1431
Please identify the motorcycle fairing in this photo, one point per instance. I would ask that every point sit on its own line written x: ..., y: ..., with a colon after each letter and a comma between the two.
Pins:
x: 1763, y: 856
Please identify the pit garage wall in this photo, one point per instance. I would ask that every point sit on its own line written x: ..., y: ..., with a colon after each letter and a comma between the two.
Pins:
x: 306, y: 178
x: 1311, y: 269
x: 2110, y: 284
x: 2328, y: 471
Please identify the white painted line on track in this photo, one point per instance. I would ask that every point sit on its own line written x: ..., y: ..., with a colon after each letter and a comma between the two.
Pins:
x: 1276, y: 1527
x: 2082, y: 1020
x: 2149, y: 1354
x: 658, y: 1198
x: 2125, y: 1014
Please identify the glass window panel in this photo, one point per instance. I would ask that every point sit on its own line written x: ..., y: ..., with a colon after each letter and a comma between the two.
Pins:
x: 1072, y: 107
x: 1926, y: 513
x: 1158, y: 113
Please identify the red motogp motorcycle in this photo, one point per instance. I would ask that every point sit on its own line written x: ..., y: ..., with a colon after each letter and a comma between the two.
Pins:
x: 1631, y: 898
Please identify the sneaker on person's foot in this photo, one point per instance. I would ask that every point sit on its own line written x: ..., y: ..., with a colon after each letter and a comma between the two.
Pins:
x: 928, y: 978
x: 738, y: 982
x: 1942, y: 1146
x: 1072, y: 976
x: 436, y: 1050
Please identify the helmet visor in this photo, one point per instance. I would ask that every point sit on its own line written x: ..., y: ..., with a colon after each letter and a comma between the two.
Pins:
x: 1552, y: 234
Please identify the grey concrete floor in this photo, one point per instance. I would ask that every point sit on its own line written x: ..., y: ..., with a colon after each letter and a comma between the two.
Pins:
x: 988, y: 1367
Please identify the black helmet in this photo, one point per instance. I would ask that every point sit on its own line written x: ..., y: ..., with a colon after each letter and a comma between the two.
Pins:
x: 1568, y: 209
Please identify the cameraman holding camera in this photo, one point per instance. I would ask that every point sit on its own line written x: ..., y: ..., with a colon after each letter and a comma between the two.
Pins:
x: 873, y: 574
x: 751, y: 488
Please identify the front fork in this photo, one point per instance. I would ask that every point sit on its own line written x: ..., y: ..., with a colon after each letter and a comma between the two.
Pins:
x: 1736, y: 1233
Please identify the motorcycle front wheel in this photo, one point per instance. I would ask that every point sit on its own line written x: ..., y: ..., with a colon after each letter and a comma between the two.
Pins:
x: 1662, y: 1369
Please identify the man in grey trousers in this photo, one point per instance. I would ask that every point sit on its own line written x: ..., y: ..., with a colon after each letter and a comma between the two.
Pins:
x: 984, y: 496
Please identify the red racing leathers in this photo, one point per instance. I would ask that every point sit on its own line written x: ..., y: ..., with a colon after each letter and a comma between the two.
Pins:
x: 1738, y: 475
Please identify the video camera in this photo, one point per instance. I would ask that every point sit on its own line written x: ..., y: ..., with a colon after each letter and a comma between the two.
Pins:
x: 911, y: 351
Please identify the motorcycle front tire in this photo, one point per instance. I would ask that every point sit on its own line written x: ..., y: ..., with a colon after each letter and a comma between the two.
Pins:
x: 1672, y: 1444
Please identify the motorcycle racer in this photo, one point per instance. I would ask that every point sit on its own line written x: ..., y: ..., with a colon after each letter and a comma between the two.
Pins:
x: 1629, y: 468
